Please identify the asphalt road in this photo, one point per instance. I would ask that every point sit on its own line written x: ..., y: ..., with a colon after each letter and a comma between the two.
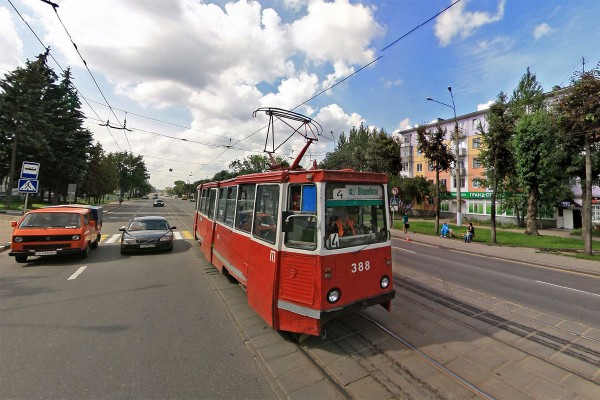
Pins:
x: 136, y: 326
x: 567, y: 295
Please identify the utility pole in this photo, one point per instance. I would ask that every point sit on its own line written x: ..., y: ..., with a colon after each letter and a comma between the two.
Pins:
x: 457, y: 165
x: 456, y: 152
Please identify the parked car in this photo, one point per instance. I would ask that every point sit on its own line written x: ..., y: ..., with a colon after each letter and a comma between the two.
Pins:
x: 184, y: 197
x: 147, y: 234
x: 158, y: 203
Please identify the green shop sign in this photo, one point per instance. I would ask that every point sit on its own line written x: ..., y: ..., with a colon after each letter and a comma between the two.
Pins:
x: 471, y: 195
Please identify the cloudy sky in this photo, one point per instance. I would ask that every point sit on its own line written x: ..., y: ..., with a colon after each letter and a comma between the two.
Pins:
x: 187, y: 75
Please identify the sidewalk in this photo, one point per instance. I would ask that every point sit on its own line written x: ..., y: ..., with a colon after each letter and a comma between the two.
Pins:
x: 521, y: 254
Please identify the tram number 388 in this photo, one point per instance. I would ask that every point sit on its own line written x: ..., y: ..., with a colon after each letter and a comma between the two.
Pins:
x: 360, y: 267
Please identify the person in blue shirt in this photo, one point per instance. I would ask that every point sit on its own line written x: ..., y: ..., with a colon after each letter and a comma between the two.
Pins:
x: 405, y: 222
x: 444, y: 231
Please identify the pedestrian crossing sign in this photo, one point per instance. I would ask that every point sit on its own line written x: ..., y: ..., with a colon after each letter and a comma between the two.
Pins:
x: 28, y: 185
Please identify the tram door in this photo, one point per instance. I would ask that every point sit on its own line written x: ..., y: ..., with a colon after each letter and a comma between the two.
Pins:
x: 207, y: 226
x: 262, y: 266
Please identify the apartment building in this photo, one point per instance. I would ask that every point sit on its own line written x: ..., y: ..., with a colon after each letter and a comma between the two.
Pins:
x: 475, y: 199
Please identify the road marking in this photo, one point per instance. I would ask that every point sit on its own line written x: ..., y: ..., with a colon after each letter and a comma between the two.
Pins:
x: 408, y: 251
x: 568, y: 288
x: 76, y: 274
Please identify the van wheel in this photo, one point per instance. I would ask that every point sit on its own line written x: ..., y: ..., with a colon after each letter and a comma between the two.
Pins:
x: 96, y: 242
x: 21, y: 258
x: 86, y: 252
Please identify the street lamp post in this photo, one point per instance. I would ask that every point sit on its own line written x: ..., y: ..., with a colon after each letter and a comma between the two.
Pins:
x: 456, y: 148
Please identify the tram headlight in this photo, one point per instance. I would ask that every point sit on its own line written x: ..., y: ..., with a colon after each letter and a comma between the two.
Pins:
x: 334, y: 295
x: 384, y: 282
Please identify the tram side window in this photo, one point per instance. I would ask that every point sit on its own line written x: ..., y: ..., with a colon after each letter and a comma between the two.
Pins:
x: 245, y: 207
x: 210, y: 205
x: 302, y: 201
x: 203, y: 196
x: 226, y: 207
x: 265, y: 214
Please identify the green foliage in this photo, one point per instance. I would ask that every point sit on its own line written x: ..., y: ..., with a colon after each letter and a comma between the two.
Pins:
x: 253, y: 164
x: 364, y: 150
x: 412, y: 191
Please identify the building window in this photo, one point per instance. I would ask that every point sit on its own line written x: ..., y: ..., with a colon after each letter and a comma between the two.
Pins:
x: 443, y: 183
x: 476, y: 182
x: 476, y: 143
x: 419, y: 167
x: 596, y: 212
x: 430, y: 166
x: 462, y: 182
x: 476, y: 123
x: 419, y: 152
x: 406, y: 139
x: 476, y: 163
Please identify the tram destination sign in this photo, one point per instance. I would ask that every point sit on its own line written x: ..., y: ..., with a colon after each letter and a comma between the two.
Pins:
x: 363, y: 192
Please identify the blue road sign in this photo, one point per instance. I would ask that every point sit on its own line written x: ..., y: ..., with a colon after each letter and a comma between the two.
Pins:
x: 394, y: 202
x: 28, y: 185
x: 30, y: 170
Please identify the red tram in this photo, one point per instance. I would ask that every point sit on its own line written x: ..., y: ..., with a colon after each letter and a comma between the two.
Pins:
x: 307, y: 245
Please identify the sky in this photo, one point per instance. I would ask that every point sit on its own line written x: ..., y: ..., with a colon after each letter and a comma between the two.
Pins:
x: 185, y: 76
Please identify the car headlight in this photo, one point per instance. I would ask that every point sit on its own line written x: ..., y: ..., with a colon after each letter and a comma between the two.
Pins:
x: 129, y: 240
x: 75, y: 237
x: 167, y: 237
x: 384, y: 282
x: 17, y: 239
x: 333, y: 295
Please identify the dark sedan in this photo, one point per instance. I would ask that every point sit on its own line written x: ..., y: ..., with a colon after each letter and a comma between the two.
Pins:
x: 147, y: 234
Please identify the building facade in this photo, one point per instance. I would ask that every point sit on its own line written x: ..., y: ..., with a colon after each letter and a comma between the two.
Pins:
x: 475, y: 199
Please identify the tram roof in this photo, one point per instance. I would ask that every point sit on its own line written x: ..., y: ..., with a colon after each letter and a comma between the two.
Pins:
x: 302, y: 176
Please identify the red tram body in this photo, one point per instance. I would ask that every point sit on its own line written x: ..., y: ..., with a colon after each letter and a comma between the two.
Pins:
x: 280, y: 235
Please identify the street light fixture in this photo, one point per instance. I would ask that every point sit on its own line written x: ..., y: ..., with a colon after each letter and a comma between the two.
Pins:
x: 457, y: 168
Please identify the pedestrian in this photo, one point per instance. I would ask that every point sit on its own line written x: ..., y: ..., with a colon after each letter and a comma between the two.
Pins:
x: 470, y: 233
x: 444, y: 231
x: 405, y: 222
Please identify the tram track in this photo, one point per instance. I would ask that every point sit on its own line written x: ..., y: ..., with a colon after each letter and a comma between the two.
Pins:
x: 556, y: 341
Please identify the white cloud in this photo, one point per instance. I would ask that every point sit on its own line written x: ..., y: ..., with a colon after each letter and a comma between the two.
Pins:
x: 404, y: 124
x: 11, y: 47
x: 485, y: 106
x: 318, y: 34
x: 390, y: 84
x: 458, y: 22
x: 541, y: 30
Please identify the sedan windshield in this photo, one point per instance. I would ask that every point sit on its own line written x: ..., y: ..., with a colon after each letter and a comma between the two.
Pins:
x: 149, y: 225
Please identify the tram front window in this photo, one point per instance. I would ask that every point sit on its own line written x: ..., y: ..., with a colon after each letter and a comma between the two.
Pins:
x: 355, y: 226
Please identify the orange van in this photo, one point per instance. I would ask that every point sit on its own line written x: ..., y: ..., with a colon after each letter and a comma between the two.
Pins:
x: 55, y: 230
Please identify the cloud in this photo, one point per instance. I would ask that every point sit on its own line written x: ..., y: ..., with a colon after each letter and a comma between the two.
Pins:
x: 391, y: 84
x: 541, y: 30
x: 458, y: 22
x: 11, y: 47
x: 318, y: 33
x: 485, y: 106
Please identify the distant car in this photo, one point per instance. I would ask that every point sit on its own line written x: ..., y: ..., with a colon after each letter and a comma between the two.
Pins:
x: 147, y: 234
x: 158, y: 203
x: 145, y: 197
x: 184, y: 197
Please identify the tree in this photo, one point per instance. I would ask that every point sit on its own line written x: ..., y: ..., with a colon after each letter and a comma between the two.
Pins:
x: 496, y: 152
x: 383, y: 154
x: 133, y: 176
x: 101, y: 177
x: 24, y: 118
x: 412, y: 191
x: 253, y: 164
x: 431, y: 144
x: 537, y: 161
x: 350, y: 151
x: 579, y: 122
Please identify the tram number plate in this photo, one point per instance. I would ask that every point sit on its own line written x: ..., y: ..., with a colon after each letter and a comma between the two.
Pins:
x: 360, y: 266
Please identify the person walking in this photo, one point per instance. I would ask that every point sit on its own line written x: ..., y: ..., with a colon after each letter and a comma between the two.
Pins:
x: 470, y: 233
x: 405, y: 222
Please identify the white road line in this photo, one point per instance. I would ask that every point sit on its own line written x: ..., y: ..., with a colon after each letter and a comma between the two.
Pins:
x: 177, y: 235
x: 400, y: 248
x: 76, y: 274
x: 568, y: 288
x: 113, y: 238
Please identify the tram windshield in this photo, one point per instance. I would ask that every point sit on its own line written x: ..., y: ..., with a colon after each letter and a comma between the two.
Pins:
x: 355, y: 215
